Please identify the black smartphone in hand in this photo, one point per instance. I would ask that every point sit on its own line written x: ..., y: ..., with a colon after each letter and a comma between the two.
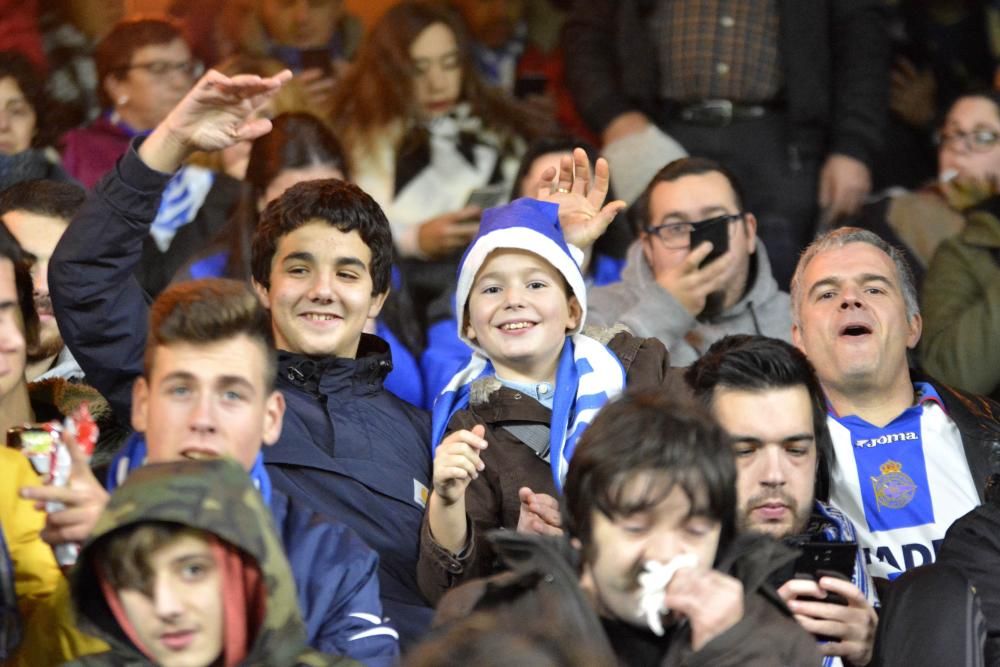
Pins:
x: 827, y: 559
x: 715, y: 230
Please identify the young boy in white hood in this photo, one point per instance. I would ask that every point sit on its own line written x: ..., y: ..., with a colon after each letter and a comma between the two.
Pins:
x: 507, y: 424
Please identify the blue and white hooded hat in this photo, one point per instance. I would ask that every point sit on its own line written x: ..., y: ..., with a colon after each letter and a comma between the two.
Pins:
x: 588, y: 374
x: 523, y: 224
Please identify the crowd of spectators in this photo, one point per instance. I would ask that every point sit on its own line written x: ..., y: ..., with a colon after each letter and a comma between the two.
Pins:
x: 501, y: 332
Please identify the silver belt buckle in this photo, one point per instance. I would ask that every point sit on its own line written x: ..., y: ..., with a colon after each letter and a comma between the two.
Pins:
x: 711, y: 112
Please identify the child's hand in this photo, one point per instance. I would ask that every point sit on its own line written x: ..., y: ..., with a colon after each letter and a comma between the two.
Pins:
x: 539, y: 513
x: 457, y: 463
x: 583, y: 214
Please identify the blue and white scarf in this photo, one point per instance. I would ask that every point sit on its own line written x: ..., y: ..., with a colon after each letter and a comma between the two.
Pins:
x: 588, y: 376
x: 133, y: 455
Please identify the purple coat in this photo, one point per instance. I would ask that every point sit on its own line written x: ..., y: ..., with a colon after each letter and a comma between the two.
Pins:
x: 90, y: 152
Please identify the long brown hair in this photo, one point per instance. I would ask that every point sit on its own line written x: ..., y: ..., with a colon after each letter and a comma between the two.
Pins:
x: 377, y: 89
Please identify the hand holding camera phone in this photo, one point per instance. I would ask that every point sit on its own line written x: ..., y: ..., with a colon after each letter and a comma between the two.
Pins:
x: 715, y: 230
x: 827, y: 559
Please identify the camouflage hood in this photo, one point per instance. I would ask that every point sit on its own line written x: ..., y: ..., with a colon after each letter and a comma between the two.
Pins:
x: 215, y: 497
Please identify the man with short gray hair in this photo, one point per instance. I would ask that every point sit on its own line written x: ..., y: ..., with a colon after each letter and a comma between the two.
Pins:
x: 911, y: 456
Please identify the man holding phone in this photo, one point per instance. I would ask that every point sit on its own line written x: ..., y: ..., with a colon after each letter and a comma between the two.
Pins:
x: 765, y: 395
x: 697, y: 271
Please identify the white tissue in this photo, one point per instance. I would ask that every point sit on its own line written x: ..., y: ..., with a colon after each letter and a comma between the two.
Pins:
x: 653, y: 582
x: 947, y: 175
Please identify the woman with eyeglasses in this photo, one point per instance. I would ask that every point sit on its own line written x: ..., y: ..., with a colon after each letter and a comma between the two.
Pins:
x: 144, y: 68
x: 919, y: 221
x: 961, y: 293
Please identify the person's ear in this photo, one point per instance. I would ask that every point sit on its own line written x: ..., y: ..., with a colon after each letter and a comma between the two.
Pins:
x: 575, y: 313
x: 378, y: 300
x: 116, y: 89
x: 916, y: 325
x: 262, y: 294
x: 797, y: 337
x: 750, y: 230
x: 274, y: 414
x: 140, y: 405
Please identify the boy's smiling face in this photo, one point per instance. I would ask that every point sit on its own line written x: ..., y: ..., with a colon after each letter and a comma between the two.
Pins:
x: 519, y: 313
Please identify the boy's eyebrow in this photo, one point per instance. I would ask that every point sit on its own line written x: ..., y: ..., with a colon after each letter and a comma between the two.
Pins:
x: 300, y: 255
x: 351, y: 261
x: 306, y: 256
x: 221, y: 380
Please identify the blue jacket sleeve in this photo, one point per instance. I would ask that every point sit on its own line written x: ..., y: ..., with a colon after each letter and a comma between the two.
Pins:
x: 336, y: 578
x: 100, y: 307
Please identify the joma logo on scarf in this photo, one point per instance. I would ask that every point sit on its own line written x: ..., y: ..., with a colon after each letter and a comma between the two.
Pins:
x: 886, y: 439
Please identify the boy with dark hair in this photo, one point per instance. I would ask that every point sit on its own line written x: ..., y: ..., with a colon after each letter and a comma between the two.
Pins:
x: 184, y: 568
x: 349, y: 448
x: 765, y: 394
x: 664, y: 503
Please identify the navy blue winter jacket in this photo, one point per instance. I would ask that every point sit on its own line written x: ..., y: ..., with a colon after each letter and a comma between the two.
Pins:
x: 350, y: 450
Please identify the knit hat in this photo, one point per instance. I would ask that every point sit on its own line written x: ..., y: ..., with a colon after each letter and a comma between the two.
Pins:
x: 524, y: 224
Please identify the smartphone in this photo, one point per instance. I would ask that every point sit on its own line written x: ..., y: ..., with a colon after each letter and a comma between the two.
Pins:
x: 715, y: 230
x: 528, y: 85
x: 488, y: 196
x: 827, y: 559
x: 317, y: 59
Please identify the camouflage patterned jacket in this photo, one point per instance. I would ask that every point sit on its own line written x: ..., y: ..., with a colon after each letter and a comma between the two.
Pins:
x: 215, y: 497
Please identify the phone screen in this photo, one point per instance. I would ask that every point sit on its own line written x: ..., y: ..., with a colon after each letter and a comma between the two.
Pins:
x: 488, y: 196
x: 715, y: 230
x: 827, y: 559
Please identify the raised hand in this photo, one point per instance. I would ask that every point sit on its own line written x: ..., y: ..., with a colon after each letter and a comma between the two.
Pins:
x: 457, y: 463
x: 539, y: 513
x: 583, y: 214
x: 217, y: 112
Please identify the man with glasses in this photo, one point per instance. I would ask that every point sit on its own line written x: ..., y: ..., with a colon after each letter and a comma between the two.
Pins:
x: 668, y: 289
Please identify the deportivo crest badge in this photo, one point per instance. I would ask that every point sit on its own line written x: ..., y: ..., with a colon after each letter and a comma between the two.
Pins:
x: 893, y: 488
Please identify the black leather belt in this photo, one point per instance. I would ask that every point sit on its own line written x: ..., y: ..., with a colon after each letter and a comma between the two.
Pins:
x: 718, y: 113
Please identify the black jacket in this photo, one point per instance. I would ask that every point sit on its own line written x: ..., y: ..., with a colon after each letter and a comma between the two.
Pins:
x: 835, y: 55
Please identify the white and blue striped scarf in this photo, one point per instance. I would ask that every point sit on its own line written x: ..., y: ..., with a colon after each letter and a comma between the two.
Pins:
x: 838, y: 528
x: 182, y: 199
x: 588, y: 376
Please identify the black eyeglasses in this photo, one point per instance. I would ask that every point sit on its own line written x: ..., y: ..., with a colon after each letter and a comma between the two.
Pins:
x: 977, y: 141
x: 192, y: 68
x: 677, y: 235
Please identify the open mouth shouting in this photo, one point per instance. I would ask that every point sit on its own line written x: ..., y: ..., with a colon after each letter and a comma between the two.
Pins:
x: 855, y: 330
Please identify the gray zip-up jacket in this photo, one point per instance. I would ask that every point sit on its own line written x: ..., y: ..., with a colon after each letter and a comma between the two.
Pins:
x: 650, y: 311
